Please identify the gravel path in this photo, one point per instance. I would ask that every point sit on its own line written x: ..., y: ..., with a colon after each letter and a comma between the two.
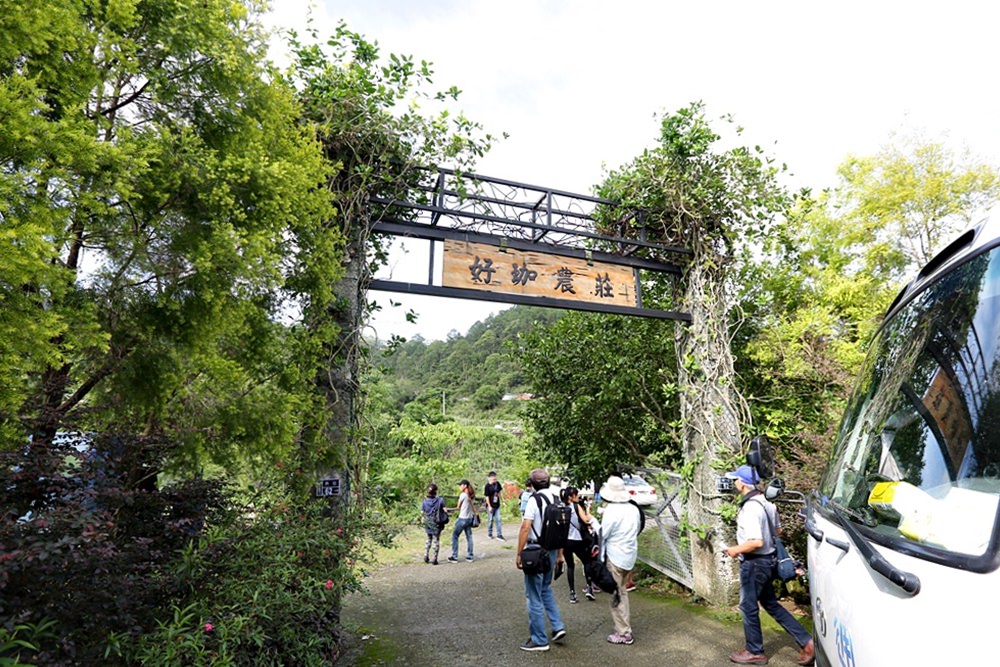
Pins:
x: 473, y: 613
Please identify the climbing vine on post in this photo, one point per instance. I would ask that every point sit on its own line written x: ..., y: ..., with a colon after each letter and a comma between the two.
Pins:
x: 371, y: 115
x: 712, y: 201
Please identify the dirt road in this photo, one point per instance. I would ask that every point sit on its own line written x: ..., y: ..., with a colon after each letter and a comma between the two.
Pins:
x: 473, y: 613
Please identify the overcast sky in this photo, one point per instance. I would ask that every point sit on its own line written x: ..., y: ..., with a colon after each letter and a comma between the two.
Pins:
x: 577, y: 86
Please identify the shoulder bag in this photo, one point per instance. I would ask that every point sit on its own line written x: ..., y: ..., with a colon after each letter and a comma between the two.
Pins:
x: 534, y: 557
x: 785, y: 568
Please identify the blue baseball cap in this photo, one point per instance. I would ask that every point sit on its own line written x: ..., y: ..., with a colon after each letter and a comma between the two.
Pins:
x: 745, y: 474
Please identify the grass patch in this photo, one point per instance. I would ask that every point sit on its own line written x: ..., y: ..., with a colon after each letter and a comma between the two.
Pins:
x: 653, y: 583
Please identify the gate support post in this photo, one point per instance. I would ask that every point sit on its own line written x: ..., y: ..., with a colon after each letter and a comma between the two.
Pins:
x: 710, y: 410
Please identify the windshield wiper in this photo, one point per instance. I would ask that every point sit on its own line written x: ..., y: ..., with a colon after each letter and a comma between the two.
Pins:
x: 908, y: 581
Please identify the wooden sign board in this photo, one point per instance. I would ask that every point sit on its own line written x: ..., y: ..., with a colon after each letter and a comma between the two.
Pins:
x: 943, y: 400
x: 488, y: 268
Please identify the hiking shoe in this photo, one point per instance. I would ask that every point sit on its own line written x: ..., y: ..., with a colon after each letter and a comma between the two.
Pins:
x: 589, y: 593
x: 532, y: 646
x: 616, y: 638
x: 572, y: 598
x: 557, y: 635
x: 452, y: 559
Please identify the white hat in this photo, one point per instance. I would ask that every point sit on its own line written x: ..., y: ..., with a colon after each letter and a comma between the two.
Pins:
x: 614, y: 490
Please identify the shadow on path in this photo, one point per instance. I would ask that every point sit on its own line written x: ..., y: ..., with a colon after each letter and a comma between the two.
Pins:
x: 473, y: 613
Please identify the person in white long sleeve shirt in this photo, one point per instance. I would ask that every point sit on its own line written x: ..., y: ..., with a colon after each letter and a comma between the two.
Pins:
x: 620, y: 526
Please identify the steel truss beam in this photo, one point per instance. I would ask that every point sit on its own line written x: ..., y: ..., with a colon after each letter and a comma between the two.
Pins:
x: 449, y: 205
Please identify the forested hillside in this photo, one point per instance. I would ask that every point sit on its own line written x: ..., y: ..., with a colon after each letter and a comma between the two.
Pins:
x: 436, y: 411
x: 466, y: 375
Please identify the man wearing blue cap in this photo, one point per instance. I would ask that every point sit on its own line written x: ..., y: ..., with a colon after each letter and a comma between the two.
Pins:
x: 756, y: 551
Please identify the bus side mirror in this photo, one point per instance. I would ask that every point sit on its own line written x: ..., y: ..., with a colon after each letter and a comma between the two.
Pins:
x: 759, y: 456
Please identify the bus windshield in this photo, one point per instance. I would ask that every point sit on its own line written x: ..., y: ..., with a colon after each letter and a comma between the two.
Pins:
x: 917, y: 458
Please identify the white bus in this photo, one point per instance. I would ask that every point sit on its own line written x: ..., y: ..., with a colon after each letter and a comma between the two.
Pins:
x: 904, y: 528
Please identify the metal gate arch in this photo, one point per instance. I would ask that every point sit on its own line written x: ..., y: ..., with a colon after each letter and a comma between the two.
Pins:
x: 449, y: 205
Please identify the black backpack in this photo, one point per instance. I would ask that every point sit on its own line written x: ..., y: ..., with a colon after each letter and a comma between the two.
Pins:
x: 597, y: 571
x: 555, y: 522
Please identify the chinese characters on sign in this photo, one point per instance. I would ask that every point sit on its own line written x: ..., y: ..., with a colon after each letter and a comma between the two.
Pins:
x: 330, y: 484
x: 482, y: 272
x: 486, y: 267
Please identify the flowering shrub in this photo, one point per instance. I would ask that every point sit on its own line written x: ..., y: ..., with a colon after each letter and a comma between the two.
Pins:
x: 195, y: 573
x: 262, y: 590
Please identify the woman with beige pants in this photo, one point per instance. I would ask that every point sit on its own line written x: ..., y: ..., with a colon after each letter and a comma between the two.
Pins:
x: 620, y: 527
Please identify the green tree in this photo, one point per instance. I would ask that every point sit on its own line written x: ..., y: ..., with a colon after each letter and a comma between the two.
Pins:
x: 813, y: 299
x: 162, y: 209
x: 606, y: 388
x: 160, y: 200
x: 905, y: 201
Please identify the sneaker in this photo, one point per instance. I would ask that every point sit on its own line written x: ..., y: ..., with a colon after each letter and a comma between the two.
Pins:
x: 470, y: 558
x: 616, y: 638
x: 631, y: 587
x: 532, y: 646
x: 589, y: 593
x: 501, y: 538
x: 434, y: 562
x: 557, y: 635
x: 427, y: 559
x: 572, y: 598
x: 490, y: 536
x: 452, y: 559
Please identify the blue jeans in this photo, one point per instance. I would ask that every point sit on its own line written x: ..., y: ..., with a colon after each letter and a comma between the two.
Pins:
x: 494, y: 517
x: 460, y: 525
x: 542, y: 602
x: 756, y: 576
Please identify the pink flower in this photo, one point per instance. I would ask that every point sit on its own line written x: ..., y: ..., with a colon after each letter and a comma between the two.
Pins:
x: 209, y: 627
x: 329, y: 584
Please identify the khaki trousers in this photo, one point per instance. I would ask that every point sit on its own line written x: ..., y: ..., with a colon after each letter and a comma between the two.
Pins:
x: 619, y: 614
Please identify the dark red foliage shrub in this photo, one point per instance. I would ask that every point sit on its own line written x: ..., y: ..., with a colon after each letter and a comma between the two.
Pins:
x: 87, y: 538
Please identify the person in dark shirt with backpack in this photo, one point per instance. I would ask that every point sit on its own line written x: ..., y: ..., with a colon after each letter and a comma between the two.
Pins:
x: 432, y: 509
x: 494, y: 506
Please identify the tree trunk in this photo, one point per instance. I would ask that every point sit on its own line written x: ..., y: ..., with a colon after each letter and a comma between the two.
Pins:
x: 710, y: 410
x: 339, y: 378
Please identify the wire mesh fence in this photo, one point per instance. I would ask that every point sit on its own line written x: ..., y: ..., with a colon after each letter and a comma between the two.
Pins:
x: 663, y: 544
